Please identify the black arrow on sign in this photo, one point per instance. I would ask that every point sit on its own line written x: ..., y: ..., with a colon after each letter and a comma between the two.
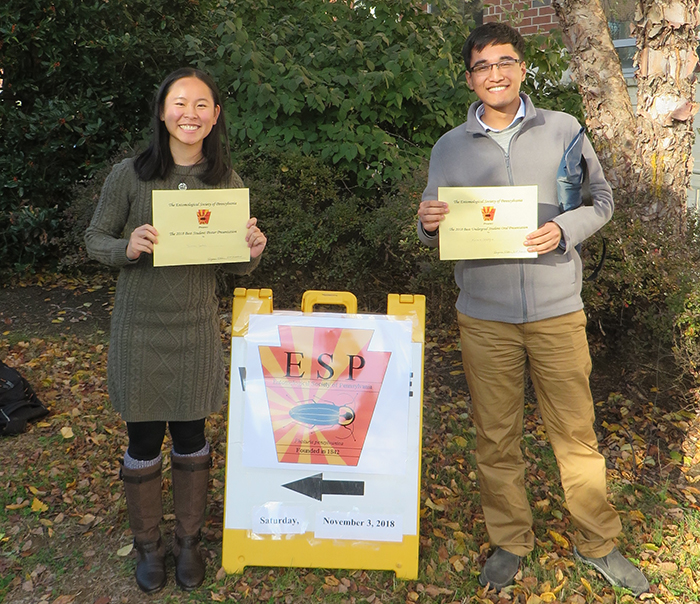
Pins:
x: 316, y: 487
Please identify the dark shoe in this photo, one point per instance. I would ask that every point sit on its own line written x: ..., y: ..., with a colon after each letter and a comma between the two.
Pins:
x: 500, y: 569
x: 150, y: 566
x: 618, y: 571
x: 189, y: 565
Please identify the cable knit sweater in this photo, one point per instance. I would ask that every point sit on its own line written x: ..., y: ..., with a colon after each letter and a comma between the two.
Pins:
x: 165, y: 359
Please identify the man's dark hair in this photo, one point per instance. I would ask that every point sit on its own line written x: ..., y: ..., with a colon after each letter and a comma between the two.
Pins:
x: 492, y: 33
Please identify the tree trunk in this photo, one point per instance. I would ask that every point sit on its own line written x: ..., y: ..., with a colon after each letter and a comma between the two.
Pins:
x: 666, y: 56
x: 647, y: 157
x: 596, y: 69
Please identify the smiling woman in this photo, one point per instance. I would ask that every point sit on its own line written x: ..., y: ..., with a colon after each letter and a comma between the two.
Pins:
x: 189, y: 113
x: 165, y: 364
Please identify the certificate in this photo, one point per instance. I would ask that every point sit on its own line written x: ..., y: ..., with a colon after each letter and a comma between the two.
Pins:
x: 200, y: 226
x: 487, y: 222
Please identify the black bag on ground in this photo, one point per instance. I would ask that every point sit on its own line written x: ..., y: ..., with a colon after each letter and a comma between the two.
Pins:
x: 18, y: 402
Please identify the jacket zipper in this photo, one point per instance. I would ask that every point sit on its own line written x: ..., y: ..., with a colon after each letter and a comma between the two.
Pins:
x: 520, y: 262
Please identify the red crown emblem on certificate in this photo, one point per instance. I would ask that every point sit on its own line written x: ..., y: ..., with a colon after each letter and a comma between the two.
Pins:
x: 203, y: 216
x: 488, y: 212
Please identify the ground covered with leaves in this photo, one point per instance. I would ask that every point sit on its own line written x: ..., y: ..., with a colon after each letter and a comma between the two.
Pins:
x: 64, y: 536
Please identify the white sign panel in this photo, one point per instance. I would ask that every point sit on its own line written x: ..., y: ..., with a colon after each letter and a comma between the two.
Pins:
x: 324, y: 428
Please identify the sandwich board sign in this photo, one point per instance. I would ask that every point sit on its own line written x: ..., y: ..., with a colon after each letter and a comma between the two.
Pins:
x: 324, y: 435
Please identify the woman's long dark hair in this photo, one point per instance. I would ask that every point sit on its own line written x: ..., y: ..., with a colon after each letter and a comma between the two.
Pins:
x: 157, y: 161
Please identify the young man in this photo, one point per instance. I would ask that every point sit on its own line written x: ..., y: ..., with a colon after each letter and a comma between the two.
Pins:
x: 514, y: 312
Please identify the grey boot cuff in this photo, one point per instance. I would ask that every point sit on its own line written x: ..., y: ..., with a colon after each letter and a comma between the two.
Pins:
x: 138, y: 464
x: 203, y: 451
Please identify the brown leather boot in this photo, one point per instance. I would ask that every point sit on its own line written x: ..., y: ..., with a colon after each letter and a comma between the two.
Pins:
x: 190, y: 485
x: 143, y: 502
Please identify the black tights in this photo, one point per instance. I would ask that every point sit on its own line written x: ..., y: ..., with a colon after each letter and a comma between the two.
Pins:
x: 146, y: 438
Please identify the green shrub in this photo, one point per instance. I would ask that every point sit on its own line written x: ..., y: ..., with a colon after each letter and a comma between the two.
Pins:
x: 641, y: 291
x: 77, y: 81
x: 76, y: 218
x: 322, y: 236
x: 687, y: 342
x: 687, y: 355
x: 368, y: 89
x: 547, y: 61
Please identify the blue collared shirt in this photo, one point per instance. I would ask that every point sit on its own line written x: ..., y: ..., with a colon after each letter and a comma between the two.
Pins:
x: 520, y: 114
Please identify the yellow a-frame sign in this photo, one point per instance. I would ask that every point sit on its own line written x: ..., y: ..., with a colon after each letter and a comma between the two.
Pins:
x: 324, y: 435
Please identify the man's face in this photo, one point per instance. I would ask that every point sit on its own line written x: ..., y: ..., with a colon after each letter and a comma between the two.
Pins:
x: 497, y: 86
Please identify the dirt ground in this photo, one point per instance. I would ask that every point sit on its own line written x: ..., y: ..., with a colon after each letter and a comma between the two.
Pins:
x: 91, y: 572
x: 40, y: 311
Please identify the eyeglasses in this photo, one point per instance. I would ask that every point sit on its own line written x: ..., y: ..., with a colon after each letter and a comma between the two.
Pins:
x: 483, y: 68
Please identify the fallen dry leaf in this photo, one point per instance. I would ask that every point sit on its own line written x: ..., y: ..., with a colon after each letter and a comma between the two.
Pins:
x: 560, y: 540
x: 456, y: 562
x: 38, y: 506
x: 434, y: 506
x: 17, y: 506
x: 668, y: 567
x: 434, y: 591
x: 587, y: 585
x: 637, y: 515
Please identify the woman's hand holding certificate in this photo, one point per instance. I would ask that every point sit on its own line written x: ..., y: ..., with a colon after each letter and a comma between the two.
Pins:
x: 203, y: 226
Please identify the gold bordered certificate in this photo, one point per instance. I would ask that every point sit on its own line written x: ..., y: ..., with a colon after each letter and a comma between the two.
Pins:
x: 487, y: 222
x: 200, y: 226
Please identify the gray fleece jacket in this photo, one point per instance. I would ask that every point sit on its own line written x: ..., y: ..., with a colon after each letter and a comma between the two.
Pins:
x: 531, y: 289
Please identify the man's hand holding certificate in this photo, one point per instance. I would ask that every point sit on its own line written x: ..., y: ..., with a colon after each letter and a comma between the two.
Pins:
x: 200, y: 226
x: 487, y: 222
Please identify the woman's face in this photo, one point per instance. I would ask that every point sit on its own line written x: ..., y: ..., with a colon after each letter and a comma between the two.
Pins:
x: 189, y: 114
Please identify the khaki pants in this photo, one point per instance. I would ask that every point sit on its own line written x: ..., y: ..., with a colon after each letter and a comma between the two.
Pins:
x: 494, y: 356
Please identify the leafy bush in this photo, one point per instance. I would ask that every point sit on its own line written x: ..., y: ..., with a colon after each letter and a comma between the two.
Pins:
x: 366, y: 89
x: 322, y: 236
x: 642, y: 288
x: 546, y: 81
x: 76, y: 218
x: 687, y: 345
x: 687, y: 355
x: 77, y: 80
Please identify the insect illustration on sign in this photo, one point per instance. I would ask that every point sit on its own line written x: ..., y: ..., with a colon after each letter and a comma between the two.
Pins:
x: 324, y: 414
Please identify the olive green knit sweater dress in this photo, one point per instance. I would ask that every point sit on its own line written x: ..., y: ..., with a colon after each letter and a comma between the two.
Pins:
x: 165, y: 358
